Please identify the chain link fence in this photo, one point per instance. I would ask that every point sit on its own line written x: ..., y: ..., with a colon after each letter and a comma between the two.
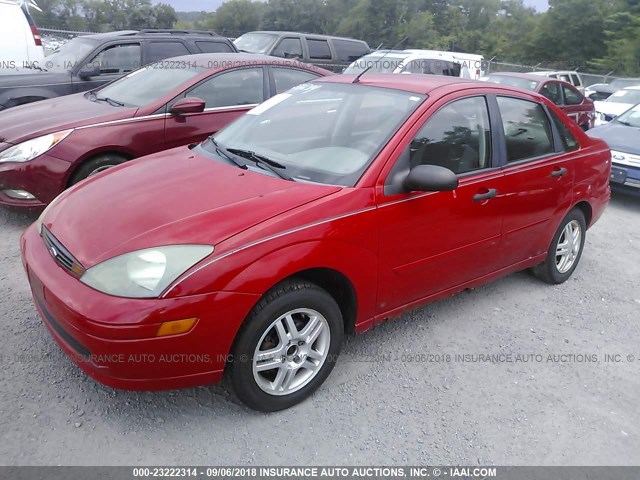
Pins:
x: 587, y: 78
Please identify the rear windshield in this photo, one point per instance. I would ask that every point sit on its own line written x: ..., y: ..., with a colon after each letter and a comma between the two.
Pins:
x: 517, y: 82
x: 255, y: 42
x: 375, y: 64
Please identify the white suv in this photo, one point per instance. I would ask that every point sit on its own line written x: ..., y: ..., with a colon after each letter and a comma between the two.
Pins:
x: 20, y: 42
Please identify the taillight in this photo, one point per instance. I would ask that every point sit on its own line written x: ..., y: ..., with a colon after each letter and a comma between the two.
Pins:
x: 36, y: 35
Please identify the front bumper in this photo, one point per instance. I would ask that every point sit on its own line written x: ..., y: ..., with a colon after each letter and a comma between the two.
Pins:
x: 44, y: 177
x: 113, y: 339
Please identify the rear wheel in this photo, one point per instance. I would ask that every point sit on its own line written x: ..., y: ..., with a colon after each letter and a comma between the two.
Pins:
x: 287, y: 347
x: 565, y: 250
x: 96, y: 165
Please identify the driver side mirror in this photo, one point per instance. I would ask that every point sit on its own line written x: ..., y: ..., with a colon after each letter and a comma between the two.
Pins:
x: 430, y: 178
x: 188, y: 105
x: 88, y: 71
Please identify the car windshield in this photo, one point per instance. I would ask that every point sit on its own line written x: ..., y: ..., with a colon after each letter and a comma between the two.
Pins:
x: 517, y: 82
x: 630, y: 118
x: 147, y: 84
x: 70, y: 55
x: 375, y: 63
x: 625, y: 96
x: 321, y: 133
x: 255, y: 42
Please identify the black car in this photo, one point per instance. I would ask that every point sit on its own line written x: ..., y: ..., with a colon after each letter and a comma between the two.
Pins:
x: 331, y: 53
x: 89, y: 61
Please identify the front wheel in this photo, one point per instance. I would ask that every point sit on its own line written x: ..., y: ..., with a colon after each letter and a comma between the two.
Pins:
x: 287, y: 347
x: 565, y: 250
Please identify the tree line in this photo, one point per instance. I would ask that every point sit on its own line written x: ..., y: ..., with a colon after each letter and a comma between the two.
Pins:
x: 594, y: 35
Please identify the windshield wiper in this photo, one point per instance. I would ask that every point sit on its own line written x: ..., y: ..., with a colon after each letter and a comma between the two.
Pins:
x: 265, y: 162
x: 223, y: 152
x: 110, y: 101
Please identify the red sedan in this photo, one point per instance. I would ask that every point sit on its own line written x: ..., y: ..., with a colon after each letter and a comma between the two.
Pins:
x: 45, y: 147
x: 567, y: 97
x: 325, y: 210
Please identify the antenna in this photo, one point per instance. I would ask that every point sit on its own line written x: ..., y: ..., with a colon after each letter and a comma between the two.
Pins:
x: 357, y: 79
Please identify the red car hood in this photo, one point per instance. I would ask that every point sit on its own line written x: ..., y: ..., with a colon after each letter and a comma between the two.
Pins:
x: 173, y: 197
x: 28, y: 121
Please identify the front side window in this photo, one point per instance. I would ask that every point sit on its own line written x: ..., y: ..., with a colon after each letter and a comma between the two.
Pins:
x: 244, y: 86
x: 319, y: 49
x: 286, y: 78
x: 118, y: 59
x: 526, y: 128
x: 572, y: 96
x: 575, y: 80
x: 321, y: 132
x: 457, y: 137
x: 288, y: 48
x: 551, y: 90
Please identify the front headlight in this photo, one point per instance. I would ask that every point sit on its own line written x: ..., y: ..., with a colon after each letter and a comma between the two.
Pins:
x: 145, y: 273
x: 26, y: 151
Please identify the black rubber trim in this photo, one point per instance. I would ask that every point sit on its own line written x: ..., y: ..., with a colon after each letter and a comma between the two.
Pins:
x: 68, y: 339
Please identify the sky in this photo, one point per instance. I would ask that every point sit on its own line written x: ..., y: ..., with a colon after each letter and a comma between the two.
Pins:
x: 211, y: 5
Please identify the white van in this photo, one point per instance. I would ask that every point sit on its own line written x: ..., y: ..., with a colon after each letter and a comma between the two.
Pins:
x: 432, y: 62
x: 20, y: 42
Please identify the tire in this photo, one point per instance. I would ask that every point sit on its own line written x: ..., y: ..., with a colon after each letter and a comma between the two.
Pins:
x: 299, y: 367
x: 96, y: 165
x: 557, y: 269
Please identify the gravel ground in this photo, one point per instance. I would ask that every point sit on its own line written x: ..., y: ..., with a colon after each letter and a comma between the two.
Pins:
x: 377, y: 406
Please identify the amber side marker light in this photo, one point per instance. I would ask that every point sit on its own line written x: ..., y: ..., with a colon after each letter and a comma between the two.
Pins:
x: 176, y: 327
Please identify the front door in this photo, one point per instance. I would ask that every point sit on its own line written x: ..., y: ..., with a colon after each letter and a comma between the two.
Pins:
x: 433, y: 241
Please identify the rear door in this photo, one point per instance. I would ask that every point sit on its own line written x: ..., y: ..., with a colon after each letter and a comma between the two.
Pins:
x: 538, y: 178
x: 227, y: 95
x: 433, y: 241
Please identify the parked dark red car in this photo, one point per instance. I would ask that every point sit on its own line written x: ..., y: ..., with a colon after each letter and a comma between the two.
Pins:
x: 570, y: 100
x: 325, y: 210
x: 50, y: 145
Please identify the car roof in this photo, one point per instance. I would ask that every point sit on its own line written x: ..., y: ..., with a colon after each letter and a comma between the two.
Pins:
x: 529, y: 76
x: 155, y: 34
x: 632, y: 87
x: 315, y: 35
x: 227, y: 60
x: 416, y: 83
x: 555, y: 72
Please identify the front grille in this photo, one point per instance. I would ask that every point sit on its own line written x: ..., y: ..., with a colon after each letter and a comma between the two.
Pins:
x: 61, y: 255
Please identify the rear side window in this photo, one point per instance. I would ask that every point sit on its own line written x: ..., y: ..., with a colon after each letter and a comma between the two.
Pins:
x: 571, y: 96
x: 526, y: 128
x: 286, y: 78
x: 575, y: 79
x: 348, y: 51
x: 288, y: 48
x: 161, y: 50
x: 569, y: 142
x: 319, y: 49
x: 213, y: 47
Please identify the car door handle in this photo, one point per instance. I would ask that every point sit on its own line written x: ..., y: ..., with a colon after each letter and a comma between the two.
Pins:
x: 480, y: 197
x: 559, y: 172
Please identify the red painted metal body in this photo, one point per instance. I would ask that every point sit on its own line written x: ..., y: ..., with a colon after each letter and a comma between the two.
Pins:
x: 396, y: 251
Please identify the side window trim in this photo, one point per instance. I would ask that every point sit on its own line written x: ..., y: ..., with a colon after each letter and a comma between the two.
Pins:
x: 554, y: 135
